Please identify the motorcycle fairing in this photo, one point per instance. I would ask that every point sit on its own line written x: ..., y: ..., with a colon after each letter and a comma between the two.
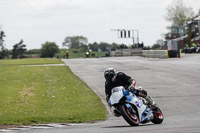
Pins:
x: 138, y: 103
x: 146, y: 114
x: 117, y: 94
x: 131, y: 99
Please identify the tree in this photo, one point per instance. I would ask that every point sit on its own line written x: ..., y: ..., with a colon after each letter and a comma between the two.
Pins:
x: 3, y: 53
x: 83, y: 48
x: 159, y: 45
x: 190, y: 36
x: 3, y: 50
x: 178, y: 13
x: 94, y: 46
x: 49, y: 49
x: 146, y: 48
x: 75, y: 41
x: 2, y: 35
x: 33, y: 51
x: 18, y: 50
x: 67, y: 42
x: 104, y: 46
x: 114, y: 46
x: 156, y: 47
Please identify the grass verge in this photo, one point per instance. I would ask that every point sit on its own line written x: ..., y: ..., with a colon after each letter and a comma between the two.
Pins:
x: 46, y: 94
x: 32, y: 61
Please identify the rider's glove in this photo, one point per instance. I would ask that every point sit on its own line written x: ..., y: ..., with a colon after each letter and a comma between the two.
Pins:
x: 131, y: 87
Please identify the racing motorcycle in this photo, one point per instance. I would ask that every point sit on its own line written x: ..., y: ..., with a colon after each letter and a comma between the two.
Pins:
x: 135, y: 109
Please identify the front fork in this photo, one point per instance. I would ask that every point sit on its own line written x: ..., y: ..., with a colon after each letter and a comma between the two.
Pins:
x: 150, y: 103
x: 130, y: 108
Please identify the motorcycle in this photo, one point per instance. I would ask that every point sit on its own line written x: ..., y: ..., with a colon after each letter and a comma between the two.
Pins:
x: 135, y: 109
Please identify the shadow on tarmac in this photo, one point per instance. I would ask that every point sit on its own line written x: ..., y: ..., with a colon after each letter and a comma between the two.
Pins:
x: 125, y: 126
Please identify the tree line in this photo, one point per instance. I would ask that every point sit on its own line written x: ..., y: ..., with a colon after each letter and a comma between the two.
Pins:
x: 81, y: 42
x: 19, y: 49
x: 50, y: 49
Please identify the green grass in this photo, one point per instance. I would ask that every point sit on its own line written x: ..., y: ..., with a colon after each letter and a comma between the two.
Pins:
x: 78, y: 54
x: 32, y: 61
x: 46, y: 94
x: 82, y: 55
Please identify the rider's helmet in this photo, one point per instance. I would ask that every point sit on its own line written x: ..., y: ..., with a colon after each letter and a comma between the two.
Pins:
x: 109, y: 74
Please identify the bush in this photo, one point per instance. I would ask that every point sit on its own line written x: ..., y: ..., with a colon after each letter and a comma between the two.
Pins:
x: 49, y: 49
x: 93, y: 54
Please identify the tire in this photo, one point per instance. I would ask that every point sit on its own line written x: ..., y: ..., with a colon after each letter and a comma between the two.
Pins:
x: 131, y: 118
x: 157, y: 116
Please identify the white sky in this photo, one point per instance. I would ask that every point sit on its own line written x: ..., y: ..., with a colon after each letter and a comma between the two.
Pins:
x: 38, y: 21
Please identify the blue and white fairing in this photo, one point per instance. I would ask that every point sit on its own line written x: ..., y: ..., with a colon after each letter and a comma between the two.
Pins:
x: 118, y: 93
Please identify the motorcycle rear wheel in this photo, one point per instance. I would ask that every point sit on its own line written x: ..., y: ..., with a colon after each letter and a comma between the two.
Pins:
x: 130, y: 117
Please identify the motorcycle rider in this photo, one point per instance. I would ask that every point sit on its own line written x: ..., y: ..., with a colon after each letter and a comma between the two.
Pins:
x: 114, y: 79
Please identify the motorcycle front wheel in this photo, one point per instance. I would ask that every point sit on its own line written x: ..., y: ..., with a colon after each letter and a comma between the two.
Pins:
x: 129, y: 116
x: 157, y: 116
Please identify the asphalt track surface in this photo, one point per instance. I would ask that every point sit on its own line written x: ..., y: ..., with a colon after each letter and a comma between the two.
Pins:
x: 173, y: 83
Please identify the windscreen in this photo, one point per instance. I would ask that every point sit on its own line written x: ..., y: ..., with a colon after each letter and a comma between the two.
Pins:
x: 117, y: 89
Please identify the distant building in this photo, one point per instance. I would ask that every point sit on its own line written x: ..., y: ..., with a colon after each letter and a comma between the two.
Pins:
x: 177, y: 37
x: 176, y: 32
x: 194, y: 26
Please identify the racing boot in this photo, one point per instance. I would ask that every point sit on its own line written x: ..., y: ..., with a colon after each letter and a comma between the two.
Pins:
x: 116, y: 113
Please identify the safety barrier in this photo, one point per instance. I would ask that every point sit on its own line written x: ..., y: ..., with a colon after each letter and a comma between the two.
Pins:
x: 127, y: 52
x: 155, y: 53
x: 140, y: 52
